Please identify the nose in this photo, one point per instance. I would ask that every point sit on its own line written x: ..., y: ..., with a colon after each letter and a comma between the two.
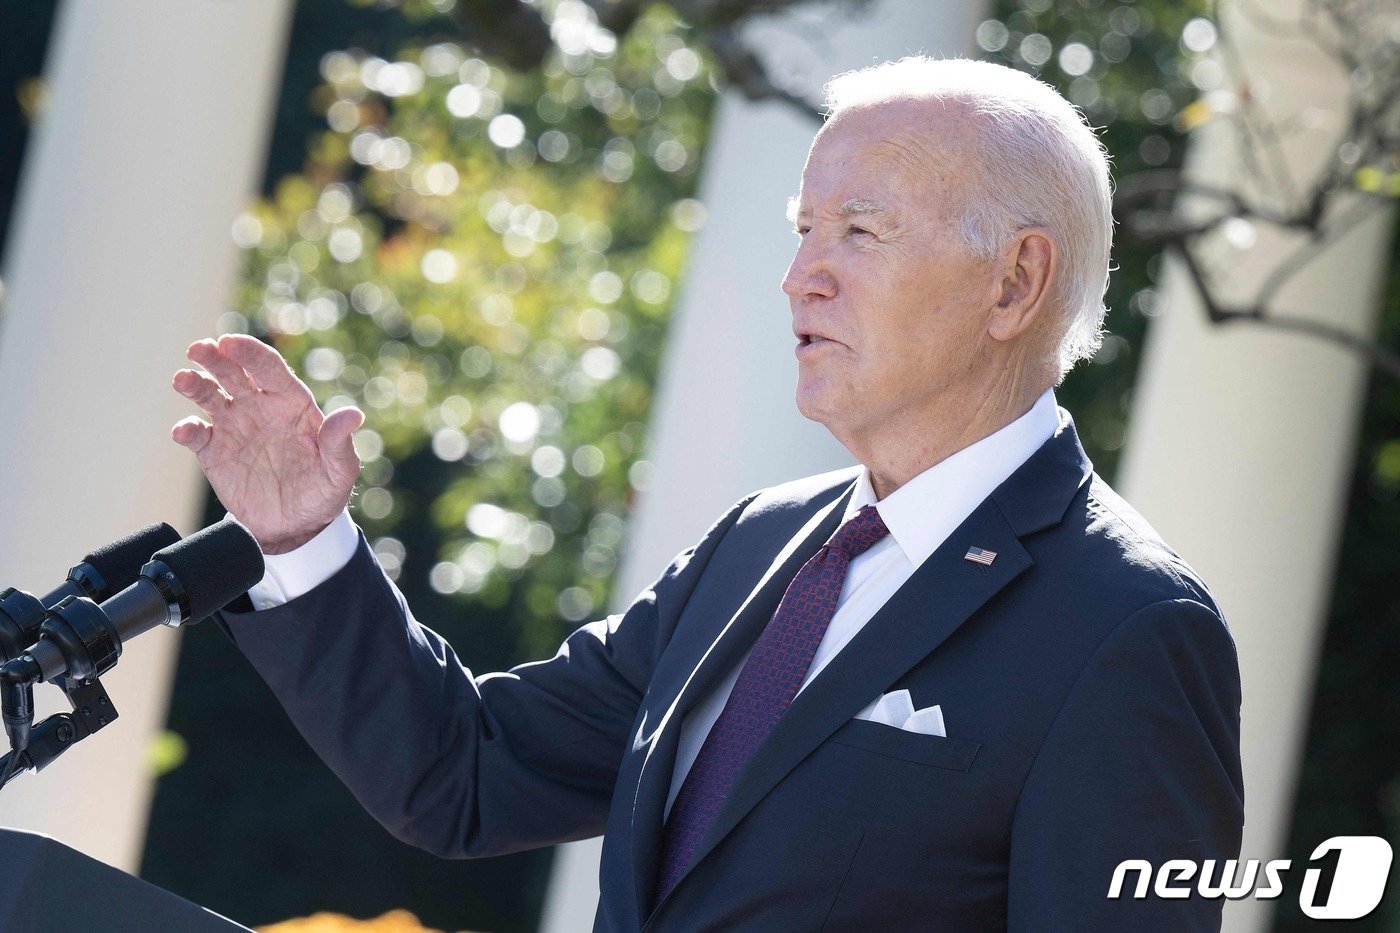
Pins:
x: 810, y: 274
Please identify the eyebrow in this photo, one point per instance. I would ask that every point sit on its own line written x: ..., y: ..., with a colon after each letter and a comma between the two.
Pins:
x: 853, y: 207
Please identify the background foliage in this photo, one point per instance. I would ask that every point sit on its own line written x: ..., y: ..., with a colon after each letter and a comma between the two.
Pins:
x: 482, y: 261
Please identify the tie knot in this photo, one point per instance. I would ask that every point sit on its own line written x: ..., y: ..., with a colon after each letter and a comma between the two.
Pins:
x: 859, y: 533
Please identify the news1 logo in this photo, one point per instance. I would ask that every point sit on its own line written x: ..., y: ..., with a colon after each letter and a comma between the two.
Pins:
x: 1346, y: 884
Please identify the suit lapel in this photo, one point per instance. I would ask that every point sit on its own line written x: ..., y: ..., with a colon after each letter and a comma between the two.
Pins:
x: 930, y: 606
x: 693, y: 676
x: 743, y: 628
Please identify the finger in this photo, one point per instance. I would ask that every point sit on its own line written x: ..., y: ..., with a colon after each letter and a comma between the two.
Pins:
x: 192, y: 433
x: 264, y: 364
x: 202, y: 389
x: 231, y: 376
x: 337, y: 434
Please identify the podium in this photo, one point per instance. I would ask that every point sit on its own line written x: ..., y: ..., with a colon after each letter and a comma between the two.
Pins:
x: 46, y: 887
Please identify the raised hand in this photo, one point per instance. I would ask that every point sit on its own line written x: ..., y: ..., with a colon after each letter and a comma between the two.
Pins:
x: 280, y: 465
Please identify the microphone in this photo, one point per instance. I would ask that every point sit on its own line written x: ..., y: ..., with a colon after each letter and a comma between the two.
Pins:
x: 114, y: 567
x: 185, y: 582
x: 100, y: 574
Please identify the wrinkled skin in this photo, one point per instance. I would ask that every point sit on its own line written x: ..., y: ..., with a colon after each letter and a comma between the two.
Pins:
x: 927, y: 347
x: 279, y: 464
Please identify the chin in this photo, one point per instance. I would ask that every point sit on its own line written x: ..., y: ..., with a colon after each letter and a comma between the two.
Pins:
x: 813, y: 406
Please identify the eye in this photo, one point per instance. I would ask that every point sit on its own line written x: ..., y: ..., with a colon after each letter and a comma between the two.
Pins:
x: 856, y: 231
x: 801, y: 230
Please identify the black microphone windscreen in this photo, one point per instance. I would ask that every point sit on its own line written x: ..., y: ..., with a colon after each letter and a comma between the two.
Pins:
x: 120, y: 563
x: 215, y: 565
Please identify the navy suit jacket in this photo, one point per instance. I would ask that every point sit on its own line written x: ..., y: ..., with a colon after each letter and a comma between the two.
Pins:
x: 1090, y: 687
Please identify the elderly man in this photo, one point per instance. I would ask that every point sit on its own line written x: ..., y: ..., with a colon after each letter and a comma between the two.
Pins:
x: 950, y: 689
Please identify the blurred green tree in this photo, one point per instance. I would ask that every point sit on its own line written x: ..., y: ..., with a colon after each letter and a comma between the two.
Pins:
x: 482, y: 261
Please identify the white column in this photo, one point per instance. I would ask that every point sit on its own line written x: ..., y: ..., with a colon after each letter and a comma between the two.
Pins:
x: 725, y: 421
x: 1241, y: 439
x: 153, y: 141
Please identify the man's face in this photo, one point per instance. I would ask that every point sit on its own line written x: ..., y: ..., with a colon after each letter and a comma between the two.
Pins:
x: 882, y: 275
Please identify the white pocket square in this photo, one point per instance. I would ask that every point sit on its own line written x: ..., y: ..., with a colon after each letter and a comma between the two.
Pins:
x: 897, y: 709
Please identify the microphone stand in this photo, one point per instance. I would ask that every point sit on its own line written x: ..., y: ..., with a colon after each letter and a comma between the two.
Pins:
x: 80, y: 640
x: 21, y: 622
x: 92, y: 711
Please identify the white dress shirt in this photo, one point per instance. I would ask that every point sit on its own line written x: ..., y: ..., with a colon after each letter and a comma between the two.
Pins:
x: 920, y: 515
x: 287, y: 576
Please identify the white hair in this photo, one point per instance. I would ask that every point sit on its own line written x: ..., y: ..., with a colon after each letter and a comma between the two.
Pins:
x: 1040, y: 165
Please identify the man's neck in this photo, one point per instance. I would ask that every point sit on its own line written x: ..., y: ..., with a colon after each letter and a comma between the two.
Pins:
x: 895, y: 454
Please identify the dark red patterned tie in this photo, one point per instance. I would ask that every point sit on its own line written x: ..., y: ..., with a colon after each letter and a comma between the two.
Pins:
x: 766, y: 685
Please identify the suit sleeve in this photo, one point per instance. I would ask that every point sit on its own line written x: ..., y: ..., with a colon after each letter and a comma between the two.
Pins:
x: 457, y: 764
x: 1142, y: 762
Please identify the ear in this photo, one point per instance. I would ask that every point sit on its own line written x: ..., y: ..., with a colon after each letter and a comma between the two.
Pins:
x: 1027, y: 274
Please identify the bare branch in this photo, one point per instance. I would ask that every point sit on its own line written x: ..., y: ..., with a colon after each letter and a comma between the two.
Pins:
x: 1294, y: 263
x: 1153, y: 204
x: 1380, y: 357
x: 746, y: 72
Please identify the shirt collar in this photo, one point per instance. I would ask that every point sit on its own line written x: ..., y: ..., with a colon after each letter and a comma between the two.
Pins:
x: 923, y: 512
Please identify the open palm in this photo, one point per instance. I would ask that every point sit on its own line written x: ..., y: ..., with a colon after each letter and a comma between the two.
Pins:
x: 281, y: 466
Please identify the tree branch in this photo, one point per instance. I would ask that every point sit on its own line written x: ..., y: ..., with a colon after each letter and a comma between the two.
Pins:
x: 1150, y: 203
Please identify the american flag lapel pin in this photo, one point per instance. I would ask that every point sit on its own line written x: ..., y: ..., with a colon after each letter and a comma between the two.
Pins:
x: 980, y: 556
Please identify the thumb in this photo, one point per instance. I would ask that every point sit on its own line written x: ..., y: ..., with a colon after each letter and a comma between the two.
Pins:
x: 337, y: 432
